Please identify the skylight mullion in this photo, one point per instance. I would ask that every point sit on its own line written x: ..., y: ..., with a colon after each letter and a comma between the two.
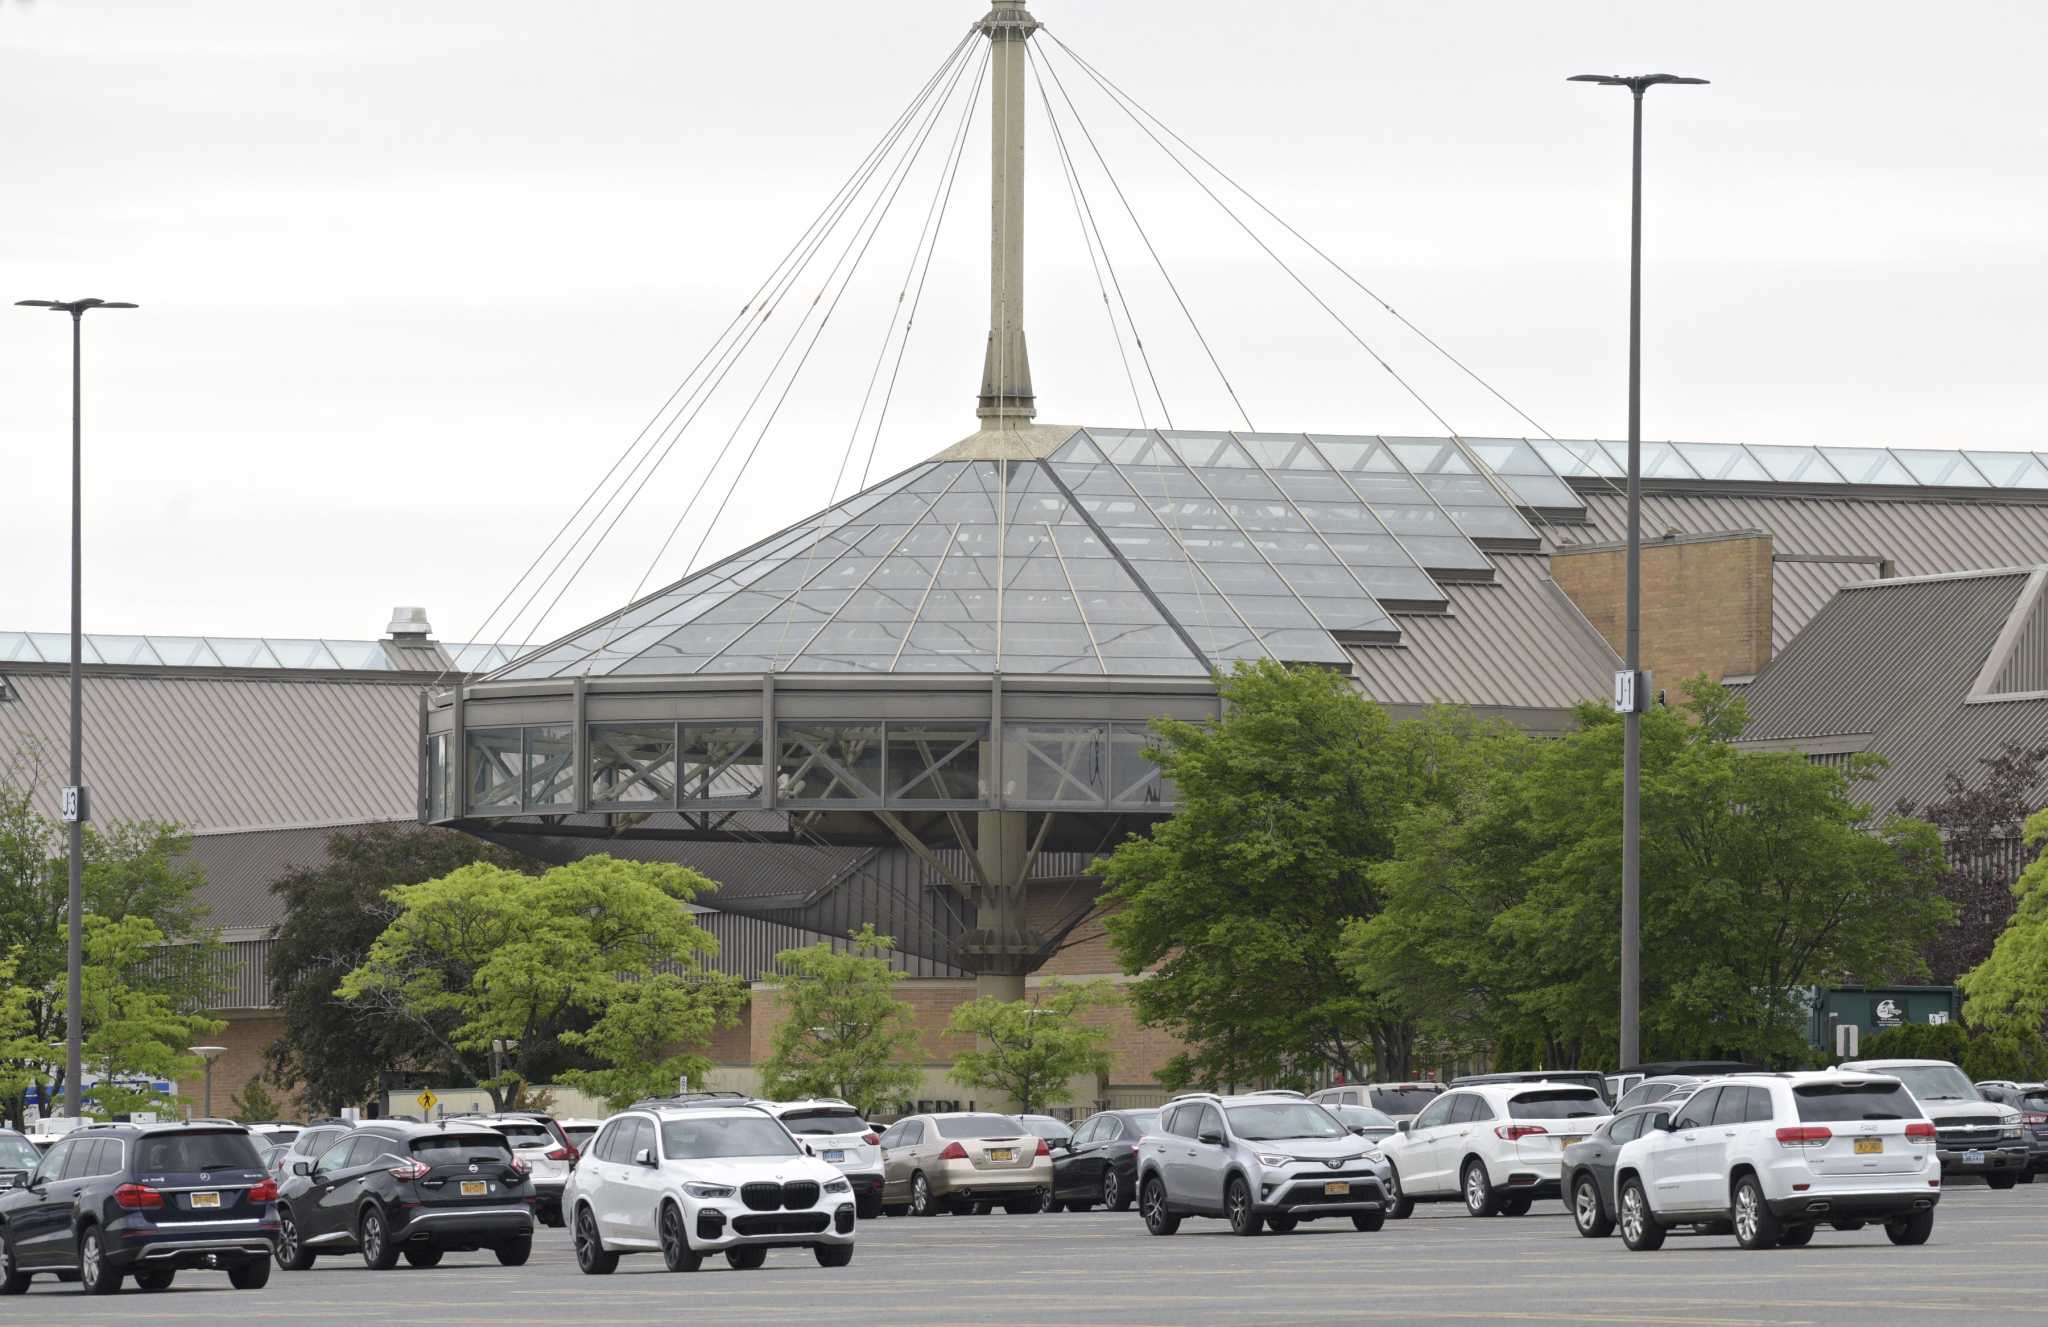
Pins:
x: 1384, y: 528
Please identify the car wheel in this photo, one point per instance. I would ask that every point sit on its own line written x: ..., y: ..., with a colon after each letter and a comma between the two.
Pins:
x: 1796, y: 1237
x: 1515, y: 1206
x: 292, y: 1253
x: 1639, y: 1228
x: 373, y: 1236
x: 1912, y: 1229
x: 1589, y: 1214
x: 515, y: 1253
x: 13, y: 1281
x: 1048, y: 1203
x: 1368, y: 1221
x: 833, y: 1255
x: 1152, y: 1205
x: 424, y: 1256
x: 746, y: 1258
x: 921, y: 1203
x: 1114, y: 1199
x: 1237, y: 1205
x: 155, y: 1278
x: 1755, y: 1227
x: 867, y: 1208
x: 251, y: 1275
x: 95, y: 1275
x: 1400, y: 1206
x: 552, y: 1218
x: 1478, y: 1189
x: 676, y: 1253
x: 2001, y: 1179
x: 1282, y: 1225
x: 590, y: 1251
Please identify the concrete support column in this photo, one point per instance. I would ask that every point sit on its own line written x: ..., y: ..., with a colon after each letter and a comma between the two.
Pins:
x: 1006, y: 397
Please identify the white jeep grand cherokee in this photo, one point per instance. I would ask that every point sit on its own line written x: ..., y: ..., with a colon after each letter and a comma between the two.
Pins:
x: 1777, y: 1155
x: 686, y: 1179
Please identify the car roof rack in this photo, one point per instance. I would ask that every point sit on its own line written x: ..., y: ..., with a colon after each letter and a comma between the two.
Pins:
x: 1278, y: 1092
x: 1194, y: 1096
x: 707, y: 1098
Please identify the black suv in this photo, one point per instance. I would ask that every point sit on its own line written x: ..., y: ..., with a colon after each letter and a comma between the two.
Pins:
x: 109, y: 1201
x: 394, y: 1189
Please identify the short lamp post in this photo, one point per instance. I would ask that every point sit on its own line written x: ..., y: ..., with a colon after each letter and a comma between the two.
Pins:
x: 208, y: 1054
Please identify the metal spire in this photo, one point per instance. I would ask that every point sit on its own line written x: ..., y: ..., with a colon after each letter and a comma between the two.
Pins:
x: 1006, y: 399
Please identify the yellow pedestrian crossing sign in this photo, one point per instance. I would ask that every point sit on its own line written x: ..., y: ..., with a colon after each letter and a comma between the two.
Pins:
x: 427, y: 1100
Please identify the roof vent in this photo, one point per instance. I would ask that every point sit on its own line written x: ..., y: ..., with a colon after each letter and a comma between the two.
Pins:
x: 409, y: 624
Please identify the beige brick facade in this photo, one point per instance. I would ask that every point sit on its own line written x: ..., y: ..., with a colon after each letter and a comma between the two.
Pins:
x: 1706, y: 601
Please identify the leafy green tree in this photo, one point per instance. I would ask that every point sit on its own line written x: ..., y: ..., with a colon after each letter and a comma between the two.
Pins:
x: 333, y: 1051
x: 844, y: 1033
x: 641, y: 1029
x: 2009, y: 989
x: 1982, y: 1053
x: 254, y: 1102
x: 487, y: 954
x: 1028, y: 1050
x: 131, y: 1029
x: 1234, y: 907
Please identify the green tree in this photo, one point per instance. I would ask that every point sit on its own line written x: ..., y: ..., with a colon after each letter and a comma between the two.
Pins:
x: 1029, y: 1050
x: 641, y: 1031
x: 254, y: 1103
x: 487, y: 954
x: 130, y: 1029
x: 1982, y: 1053
x: 844, y: 1033
x: 1234, y: 907
x: 333, y: 1051
x: 2009, y: 989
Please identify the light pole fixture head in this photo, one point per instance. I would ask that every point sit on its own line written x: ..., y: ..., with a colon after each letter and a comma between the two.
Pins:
x: 75, y: 307
x: 1635, y: 83
x: 208, y: 1053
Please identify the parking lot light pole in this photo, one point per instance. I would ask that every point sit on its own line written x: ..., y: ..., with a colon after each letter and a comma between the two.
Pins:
x: 75, y: 808
x: 1637, y: 692
x: 209, y: 1054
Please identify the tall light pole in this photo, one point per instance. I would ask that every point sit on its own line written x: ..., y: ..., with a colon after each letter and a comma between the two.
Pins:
x: 1632, y: 693
x: 75, y: 809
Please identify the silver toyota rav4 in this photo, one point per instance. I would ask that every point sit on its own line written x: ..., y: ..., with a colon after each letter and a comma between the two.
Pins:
x: 1267, y: 1159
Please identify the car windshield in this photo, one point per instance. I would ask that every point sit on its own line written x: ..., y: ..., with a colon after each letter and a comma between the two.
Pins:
x: 524, y: 1134
x: 2034, y: 1101
x: 1935, y: 1082
x: 1143, y: 1122
x: 1363, y: 1117
x: 1403, y: 1100
x: 697, y: 1139
x: 580, y: 1134
x: 448, y: 1149
x: 18, y: 1154
x: 824, y: 1122
x: 1565, y: 1103
x: 1854, y: 1100
x: 979, y: 1126
x: 1645, y: 1093
x: 1285, y: 1119
x: 1045, y: 1126
x: 185, y: 1153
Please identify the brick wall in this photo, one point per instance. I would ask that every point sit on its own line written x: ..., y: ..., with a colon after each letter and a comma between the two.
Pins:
x: 1706, y: 601
x: 245, y: 1036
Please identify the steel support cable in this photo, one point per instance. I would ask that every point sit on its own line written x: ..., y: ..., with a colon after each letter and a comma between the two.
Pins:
x: 1089, y: 240
x: 1094, y: 147
x: 917, y: 299
x: 877, y: 213
x: 735, y: 352
x: 942, y: 192
x: 1132, y: 104
x: 737, y: 320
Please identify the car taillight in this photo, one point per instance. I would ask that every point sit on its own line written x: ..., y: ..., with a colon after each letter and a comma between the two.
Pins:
x: 1804, y: 1135
x: 1922, y: 1129
x: 414, y: 1169
x: 1043, y: 1150
x: 266, y: 1192
x: 953, y: 1152
x: 138, y: 1197
x: 517, y: 1167
x: 1513, y: 1131
x: 2034, y: 1117
x: 871, y: 1139
x: 561, y: 1154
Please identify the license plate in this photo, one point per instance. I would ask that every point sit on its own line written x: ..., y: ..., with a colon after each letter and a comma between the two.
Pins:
x: 1336, y: 1188
x: 206, y: 1200
x: 1002, y: 1154
x: 1568, y: 1139
x: 835, y: 1156
x: 1973, y: 1158
x: 1868, y: 1146
x: 474, y: 1189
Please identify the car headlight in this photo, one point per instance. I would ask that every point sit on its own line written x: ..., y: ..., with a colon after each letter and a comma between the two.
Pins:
x: 1271, y: 1159
x: 696, y: 1190
x: 838, y: 1186
x: 1374, y: 1158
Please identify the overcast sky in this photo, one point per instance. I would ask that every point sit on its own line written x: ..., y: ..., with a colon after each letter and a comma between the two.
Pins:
x: 414, y: 272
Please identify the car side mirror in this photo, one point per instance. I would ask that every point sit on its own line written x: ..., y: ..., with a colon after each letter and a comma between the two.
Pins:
x: 1402, y: 1125
x: 1058, y: 1145
x: 1358, y: 1129
x: 644, y: 1157
x: 1212, y: 1138
x: 1662, y: 1122
x: 13, y: 1181
x: 302, y: 1168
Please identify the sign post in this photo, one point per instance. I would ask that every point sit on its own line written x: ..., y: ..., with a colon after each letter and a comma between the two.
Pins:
x: 427, y: 1101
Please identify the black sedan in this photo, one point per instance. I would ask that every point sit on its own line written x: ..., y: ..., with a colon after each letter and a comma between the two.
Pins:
x: 1588, y: 1170
x: 1099, y: 1164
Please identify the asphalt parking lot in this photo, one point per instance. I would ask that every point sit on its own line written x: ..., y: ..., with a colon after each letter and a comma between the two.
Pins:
x: 1988, y: 1261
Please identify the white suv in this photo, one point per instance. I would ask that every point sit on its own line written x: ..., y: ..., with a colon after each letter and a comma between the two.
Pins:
x: 1778, y: 1154
x: 1497, y: 1146
x: 836, y: 1134
x: 685, y: 1179
x: 547, y: 1161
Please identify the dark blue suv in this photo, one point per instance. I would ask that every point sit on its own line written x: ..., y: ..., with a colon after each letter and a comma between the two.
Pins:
x: 110, y: 1201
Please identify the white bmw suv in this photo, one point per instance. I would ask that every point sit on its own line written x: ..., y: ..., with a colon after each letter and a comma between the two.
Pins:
x: 1777, y: 1155
x: 1498, y: 1147
x: 687, y: 1179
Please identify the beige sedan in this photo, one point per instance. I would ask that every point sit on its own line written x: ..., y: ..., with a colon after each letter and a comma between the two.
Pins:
x: 959, y: 1160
